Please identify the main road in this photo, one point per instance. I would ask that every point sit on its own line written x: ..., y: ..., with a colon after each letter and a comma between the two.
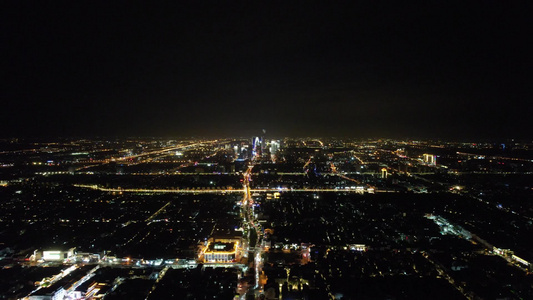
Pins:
x: 246, y: 190
x: 154, y: 152
x: 251, y: 224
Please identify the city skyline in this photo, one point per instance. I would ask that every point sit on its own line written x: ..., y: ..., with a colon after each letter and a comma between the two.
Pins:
x: 257, y: 218
x: 266, y: 150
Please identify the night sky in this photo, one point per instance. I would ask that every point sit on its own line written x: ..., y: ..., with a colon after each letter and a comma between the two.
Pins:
x: 426, y: 69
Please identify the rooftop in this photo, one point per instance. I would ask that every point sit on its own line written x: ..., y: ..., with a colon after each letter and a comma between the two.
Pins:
x: 221, y: 247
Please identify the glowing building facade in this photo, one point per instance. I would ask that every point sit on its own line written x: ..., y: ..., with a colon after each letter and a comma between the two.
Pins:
x: 223, y: 248
x: 221, y: 252
x: 430, y: 159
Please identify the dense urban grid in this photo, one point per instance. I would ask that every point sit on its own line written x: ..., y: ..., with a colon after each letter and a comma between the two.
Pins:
x: 295, y: 150
x: 265, y: 218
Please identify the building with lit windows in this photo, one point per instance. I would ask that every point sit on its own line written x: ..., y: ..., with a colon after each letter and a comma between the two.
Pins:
x: 430, y: 159
x: 221, y: 252
x: 257, y: 146
x: 223, y: 248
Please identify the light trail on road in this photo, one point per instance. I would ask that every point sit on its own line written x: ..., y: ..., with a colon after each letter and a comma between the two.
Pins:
x: 222, y: 191
x: 125, y: 158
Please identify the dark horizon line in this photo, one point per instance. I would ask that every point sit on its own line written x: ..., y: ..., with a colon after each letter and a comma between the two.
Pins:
x: 223, y: 136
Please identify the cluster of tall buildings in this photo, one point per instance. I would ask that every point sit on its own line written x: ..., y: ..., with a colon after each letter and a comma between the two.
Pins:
x: 257, y: 147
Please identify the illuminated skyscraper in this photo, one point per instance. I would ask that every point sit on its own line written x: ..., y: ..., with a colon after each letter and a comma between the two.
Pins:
x: 257, y: 146
x: 274, y: 147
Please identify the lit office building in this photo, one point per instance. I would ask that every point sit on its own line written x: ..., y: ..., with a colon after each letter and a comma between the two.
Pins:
x: 223, y: 248
x: 430, y: 159
x: 221, y: 252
